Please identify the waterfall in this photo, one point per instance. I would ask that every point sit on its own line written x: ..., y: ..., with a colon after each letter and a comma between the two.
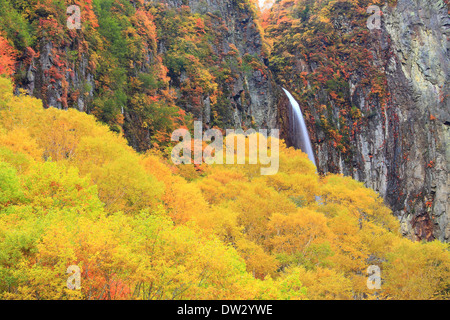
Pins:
x: 300, y: 135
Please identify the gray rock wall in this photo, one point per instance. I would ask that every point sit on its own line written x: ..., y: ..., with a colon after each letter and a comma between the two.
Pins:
x: 419, y: 80
x: 403, y: 150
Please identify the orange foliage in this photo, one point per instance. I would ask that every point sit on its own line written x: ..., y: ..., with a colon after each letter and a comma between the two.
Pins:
x: 7, y: 57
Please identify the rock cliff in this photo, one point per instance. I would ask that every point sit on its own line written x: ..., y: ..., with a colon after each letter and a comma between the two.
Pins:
x: 377, y: 102
x: 133, y: 64
x: 247, y: 95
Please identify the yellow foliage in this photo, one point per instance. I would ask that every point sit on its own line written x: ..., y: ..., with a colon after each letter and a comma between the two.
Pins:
x: 325, y: 284
x: 74, y: 193
x: 295, y: 232
x: 416, y: 271
x: 19, y: 140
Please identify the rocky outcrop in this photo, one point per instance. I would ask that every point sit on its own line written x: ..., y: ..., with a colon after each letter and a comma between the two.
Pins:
x: 56, y: 86
x: 399, y: 145
x: 252, y: 95
x: 114, y: 66
x: 419, y: 82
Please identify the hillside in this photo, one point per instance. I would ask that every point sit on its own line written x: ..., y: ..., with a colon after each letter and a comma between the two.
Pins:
x: 73, y: 193
x: 87, y: 177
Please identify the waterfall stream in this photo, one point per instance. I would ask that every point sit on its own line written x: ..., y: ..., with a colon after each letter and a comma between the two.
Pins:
x: 300, y: 135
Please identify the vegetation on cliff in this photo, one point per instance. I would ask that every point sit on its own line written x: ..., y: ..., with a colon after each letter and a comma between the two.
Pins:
x: 137, y: 66
x: 375, y: 99
x: 319, y: 48
x: 109, y: 67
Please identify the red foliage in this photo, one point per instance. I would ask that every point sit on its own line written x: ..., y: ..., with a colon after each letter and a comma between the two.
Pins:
x: 7, y: 58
